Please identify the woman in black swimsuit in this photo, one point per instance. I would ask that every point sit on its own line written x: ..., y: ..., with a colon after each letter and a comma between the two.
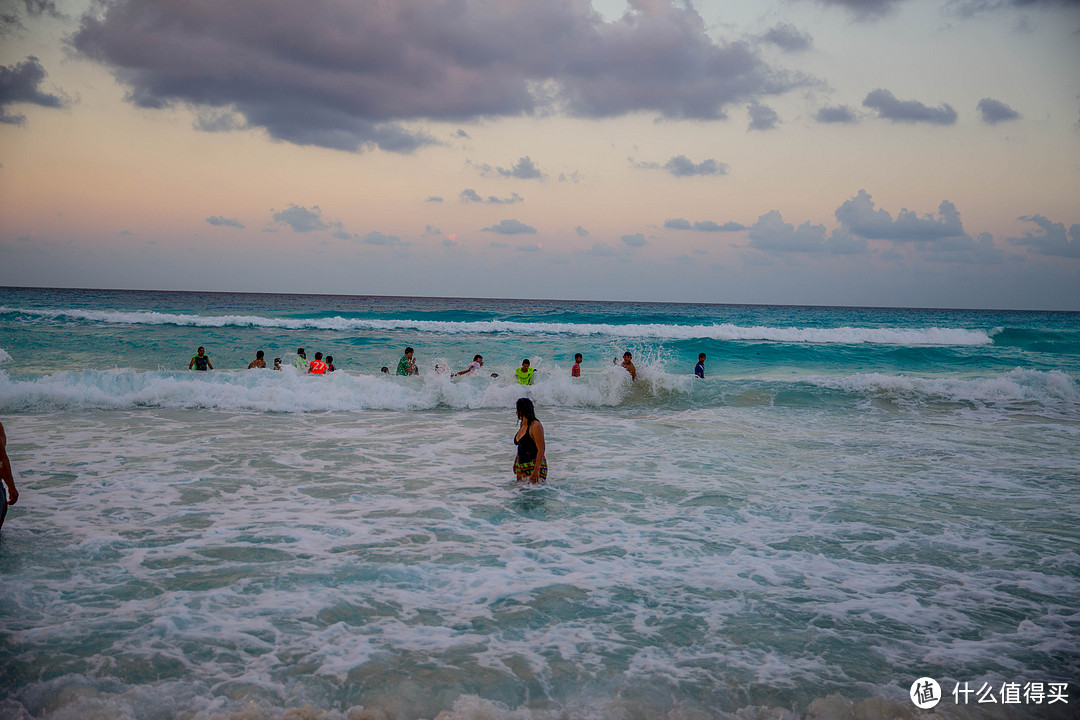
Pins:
x: 530, y: 461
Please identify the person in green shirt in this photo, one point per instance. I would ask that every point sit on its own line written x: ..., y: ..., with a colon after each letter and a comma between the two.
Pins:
x: 406, y: 365
x: 200, y: 360
x: 524, y: 373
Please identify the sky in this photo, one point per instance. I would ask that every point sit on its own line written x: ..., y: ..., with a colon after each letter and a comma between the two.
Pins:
x: 909, y: 153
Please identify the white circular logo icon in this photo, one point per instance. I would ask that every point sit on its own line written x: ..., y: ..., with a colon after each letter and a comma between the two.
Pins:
x: 925, y: 693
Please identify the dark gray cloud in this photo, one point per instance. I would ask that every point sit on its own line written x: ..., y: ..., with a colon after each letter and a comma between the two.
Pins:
x: 995, y: 111
x: 353, y: 75
x: 468, y: 195
x: 511, y: 227
x: 682, y: 166
x: 21, y: 83
x: 1052, y: 238
x: 788, y: 38
x: 635, y: 241
x: 859, y: 217
x: 523, y: 169
x: 702, y: 225
x: 968, y: 8
x: 377, y: 238
x: 224, y: 221
x: 909, y: 111
x: 300, y: 219
x: 836, y: 114
x: 865, y: 9
x: 762, y: 117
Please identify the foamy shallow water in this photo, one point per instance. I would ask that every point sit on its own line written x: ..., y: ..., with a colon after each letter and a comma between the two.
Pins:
x: 186, y: 564
x: 852, y: 499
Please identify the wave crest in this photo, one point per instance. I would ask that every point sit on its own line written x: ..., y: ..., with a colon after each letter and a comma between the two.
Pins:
x: 722, y: 331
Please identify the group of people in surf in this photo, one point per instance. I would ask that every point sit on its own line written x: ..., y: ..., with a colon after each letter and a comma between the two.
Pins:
x: 407, y: 365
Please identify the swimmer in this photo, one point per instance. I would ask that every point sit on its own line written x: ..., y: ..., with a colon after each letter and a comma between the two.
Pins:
x: 317, y: 367
x: 330, y: 363
x: 699, y: 369
x: 277, y: 363
x: 531, y: 461
x: 300, y: 363
x: 6, y: 475
x: 384, y: 370
x: 406, y: 365
x: 524, y: 373
x: 200, y: 360
x: 576, y: 370
x: 474, y: 366
x: 258, y: 362
x: 628, y: 363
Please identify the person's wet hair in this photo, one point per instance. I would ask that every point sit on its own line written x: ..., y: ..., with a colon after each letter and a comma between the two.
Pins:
x: 525, y: 409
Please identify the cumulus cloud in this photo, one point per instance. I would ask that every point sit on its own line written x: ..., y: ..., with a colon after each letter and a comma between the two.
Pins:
x: 836, y: 114
x: 762, y: 117
x: 523, y: 169
x: 468, y: 195
x: 377, y: 238
x: 702, y: 225
x: 1051, y: 239
x: 771, y: 234
x: 788, y: 38
x: 861, y: 218
x: 635, y: 241
x: 995, y: 111
x: 21, y: 83
x: 581, y: 232
x: 224, y: 221
x: 908, y: 111
x: 511, y: 227
x: 354, y: 75
x: 434, y: 199
x: 300, y: 219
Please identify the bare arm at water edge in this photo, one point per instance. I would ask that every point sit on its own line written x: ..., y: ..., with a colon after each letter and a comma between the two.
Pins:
x: 5, y: 469
x: 536, y: 430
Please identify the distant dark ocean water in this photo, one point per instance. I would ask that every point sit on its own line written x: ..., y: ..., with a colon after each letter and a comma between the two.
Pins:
x: 851, y: 499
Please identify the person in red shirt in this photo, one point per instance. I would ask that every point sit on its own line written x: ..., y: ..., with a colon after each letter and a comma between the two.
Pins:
x: 317, y: 366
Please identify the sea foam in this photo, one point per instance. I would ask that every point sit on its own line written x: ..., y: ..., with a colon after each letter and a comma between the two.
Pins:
x: 722, y: 331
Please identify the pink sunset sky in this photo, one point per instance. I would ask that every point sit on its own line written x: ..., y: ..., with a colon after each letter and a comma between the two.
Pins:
x: 847, y: 152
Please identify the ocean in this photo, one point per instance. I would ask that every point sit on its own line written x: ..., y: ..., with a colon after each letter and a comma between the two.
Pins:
x: 850, y: 500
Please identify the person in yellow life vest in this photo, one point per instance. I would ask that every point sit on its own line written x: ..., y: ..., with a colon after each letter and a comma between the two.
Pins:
x: 317, y: 366
x: 524, y: 373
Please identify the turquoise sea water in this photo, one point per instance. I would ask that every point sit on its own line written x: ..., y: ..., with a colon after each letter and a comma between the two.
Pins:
x: 850, y: 500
